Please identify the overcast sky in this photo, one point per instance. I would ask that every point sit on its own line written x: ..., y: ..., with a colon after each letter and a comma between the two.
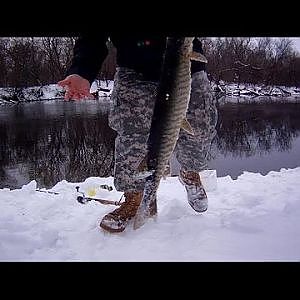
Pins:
x: 296, y: 43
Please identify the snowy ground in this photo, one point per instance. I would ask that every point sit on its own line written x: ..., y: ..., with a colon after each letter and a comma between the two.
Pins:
x: 253, y: 218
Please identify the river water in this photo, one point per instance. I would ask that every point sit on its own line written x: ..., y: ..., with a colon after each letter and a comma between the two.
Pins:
x: 54, y: 140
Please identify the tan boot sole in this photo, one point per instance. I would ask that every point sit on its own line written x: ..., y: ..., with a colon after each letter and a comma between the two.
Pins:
x: 112, y: 230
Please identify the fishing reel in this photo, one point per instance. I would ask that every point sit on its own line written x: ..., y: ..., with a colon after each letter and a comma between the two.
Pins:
x: 81, y: 198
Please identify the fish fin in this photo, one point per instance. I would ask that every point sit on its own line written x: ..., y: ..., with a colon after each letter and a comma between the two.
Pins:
x: 185, y: 125
x: 144, y: 174
x: 147, y: 208
x: 167, y: 171
x: 198, y: 57
x: 141, y: 217
x: 143, y: 166
x: 142, y: 169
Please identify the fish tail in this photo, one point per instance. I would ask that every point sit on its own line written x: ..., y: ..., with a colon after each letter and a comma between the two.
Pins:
x: 148, y: 205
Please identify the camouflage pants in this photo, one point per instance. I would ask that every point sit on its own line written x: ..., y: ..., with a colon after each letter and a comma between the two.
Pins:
x: 131, y: 114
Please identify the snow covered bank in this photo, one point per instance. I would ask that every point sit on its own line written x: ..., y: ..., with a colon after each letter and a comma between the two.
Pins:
x: 250, y: 91
x: 253, y: 218
x: 13, y: 95
x: 49, y: 92
x: 102, y: 88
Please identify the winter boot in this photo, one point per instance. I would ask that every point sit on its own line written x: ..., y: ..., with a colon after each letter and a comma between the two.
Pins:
x: 117, y: 220
x: 196, y: 194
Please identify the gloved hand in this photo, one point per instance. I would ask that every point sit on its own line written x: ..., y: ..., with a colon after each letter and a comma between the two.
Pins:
x: 77, y: 87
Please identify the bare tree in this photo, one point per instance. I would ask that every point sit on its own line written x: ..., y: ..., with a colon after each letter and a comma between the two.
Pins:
x: 58, y: 54
x: 252, y: 60
x: 31, y: 61
x: 3, y: 62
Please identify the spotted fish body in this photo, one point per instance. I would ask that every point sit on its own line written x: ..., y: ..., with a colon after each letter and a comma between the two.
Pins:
x: 169, y: 113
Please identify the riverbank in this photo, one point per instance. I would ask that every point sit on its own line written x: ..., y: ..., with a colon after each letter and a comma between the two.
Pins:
x: 102, y: 89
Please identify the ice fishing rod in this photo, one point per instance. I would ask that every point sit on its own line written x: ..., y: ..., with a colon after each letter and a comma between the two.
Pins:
x: 83, y: 199
x: 48, y: 192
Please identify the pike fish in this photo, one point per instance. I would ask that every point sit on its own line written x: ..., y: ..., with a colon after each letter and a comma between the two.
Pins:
x: 168, y: 118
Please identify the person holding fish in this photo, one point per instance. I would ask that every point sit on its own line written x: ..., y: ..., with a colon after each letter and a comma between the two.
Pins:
x: 137, y: 84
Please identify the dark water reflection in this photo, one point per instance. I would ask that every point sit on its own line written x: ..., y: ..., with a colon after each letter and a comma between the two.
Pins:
x: 256, y: 137
x: 54, y: 140
x: 51, y: 141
